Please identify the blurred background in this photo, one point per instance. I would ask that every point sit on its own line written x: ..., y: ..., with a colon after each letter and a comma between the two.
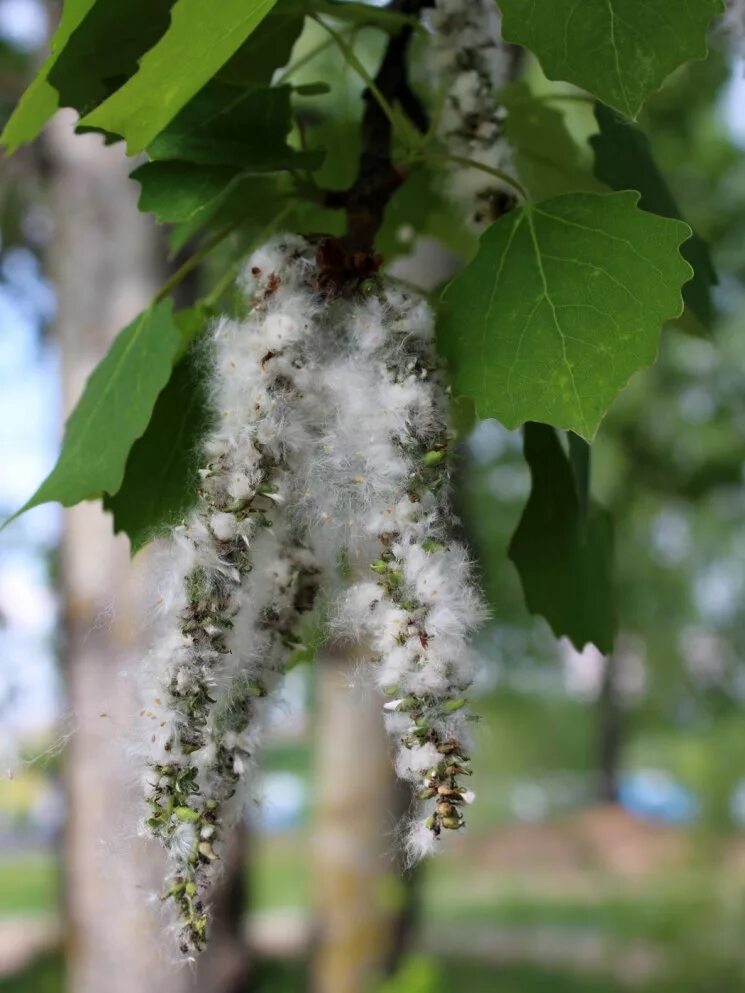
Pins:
x: 607, y: 848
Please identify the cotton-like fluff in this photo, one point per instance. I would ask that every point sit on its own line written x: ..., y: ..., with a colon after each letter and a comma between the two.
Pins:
x: 471, y: 65
x: 236, y: 576
x: 381, y: 485
x: 734, y: 24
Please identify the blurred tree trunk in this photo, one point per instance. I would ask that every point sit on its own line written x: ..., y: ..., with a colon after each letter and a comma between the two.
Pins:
x: 362, y: 907
x: 107, y: 262
x: 365, y: 908
x: 610, y: 732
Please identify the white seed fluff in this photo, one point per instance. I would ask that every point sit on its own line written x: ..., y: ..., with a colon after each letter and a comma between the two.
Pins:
x: 234, y: 579
x: 471, y: 64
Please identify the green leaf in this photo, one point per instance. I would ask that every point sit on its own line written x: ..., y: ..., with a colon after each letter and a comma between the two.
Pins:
x: 462, y: 416
x: 201, y: 39
x: 619, y: 50
x: 175, y: 191
x: 191, y: 322
x: 255, y: 203
x: 267, y: 49
x: 624, y: 161
x: 105, y: 48
x: 547, y: 158
x: 562, y: 304
x: 161, y: 476
x: 243, y: 128
x: 113, y: 411
x: 39, y: 102
x: 564, y: 554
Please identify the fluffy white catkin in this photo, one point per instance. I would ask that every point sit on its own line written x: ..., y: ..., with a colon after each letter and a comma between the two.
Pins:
x: 471, y: 65
x: 236, y: 576
x: 734, y: 24
x: 330, y: 460
x: 377, y: 493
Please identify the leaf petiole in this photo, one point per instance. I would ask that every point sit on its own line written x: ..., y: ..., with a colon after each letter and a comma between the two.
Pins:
x: 193, y: 261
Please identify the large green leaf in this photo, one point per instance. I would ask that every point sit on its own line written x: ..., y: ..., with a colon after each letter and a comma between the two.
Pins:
x: 113, y: 411
x: 562, y: 304
x: 619, y: 50
x: 547, y: 158
x: 624, y: 161
x: 161, y: 478
x: 39, y: 102
x: 563, y: 549
x: 223, y: 125
x: 201, y: 39
x: 105, y: 48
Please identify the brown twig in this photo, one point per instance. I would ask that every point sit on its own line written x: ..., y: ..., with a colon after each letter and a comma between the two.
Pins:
x: 345, y: 261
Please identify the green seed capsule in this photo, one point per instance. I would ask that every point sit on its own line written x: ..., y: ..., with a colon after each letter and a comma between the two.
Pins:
x: 433, y: 458
x: 186, y: 814
x: 452, y: 823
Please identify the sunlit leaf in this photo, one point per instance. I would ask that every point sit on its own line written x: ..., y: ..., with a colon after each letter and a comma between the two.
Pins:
x: 200, y: 40
x: 40, y: 101
x: 104, y: 50
x: 113, y: 411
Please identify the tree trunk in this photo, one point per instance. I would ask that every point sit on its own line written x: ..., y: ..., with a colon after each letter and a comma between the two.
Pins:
x: 361, y: 907
x: 365, y: 907
x: 107, y: 262
x: 610, y: 732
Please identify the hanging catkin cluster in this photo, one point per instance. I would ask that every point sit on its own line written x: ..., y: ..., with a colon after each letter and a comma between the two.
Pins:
x: 329, y: 464
x: 235, y: 578
x: 472, y: 64
x: 381, y: 479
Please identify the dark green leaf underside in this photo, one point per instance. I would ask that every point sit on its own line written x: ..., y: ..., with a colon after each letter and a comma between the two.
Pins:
x: 175, y: 191
x: 564, y: 557
x: 161, y: 476
x: 223, y: 125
